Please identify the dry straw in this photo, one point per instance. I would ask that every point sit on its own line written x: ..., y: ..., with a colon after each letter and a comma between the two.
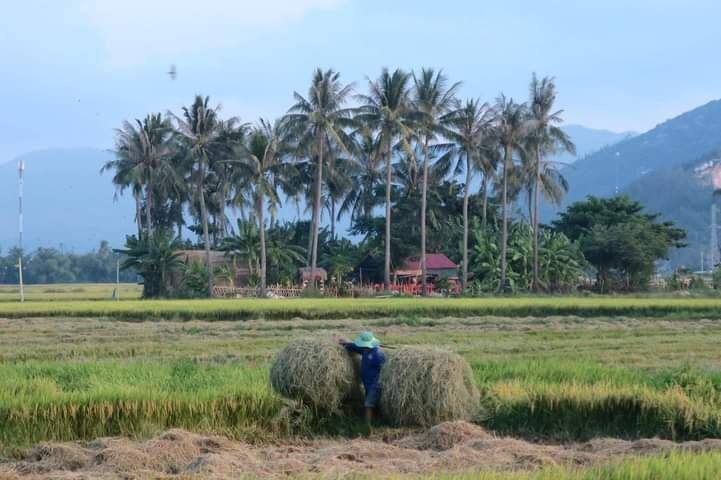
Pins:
x: 426, y: 387
x: 317, y: 371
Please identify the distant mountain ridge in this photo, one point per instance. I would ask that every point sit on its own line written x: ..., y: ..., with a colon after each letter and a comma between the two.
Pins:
x: 590, y: 140
x: 67, y: 201
x: 684, y: 194
x: 673, y: 143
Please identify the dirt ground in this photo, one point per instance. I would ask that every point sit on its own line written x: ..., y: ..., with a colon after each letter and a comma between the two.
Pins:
x: 448, y: 447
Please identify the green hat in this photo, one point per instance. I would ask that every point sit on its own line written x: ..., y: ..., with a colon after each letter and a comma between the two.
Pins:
x: 366, y: 340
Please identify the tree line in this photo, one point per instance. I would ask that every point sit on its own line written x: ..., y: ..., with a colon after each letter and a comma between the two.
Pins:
x: 50, y: 265
x: 398, y: 146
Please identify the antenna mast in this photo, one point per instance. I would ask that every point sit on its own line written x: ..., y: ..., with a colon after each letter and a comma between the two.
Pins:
x: 21, y: 171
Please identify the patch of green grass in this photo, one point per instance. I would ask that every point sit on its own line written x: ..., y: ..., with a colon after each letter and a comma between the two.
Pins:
x: 674, y: 466
x: 69, y: 291
x: 332, y: 308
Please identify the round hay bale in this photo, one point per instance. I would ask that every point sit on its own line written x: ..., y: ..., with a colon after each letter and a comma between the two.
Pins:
x: 317, y: 371
x: 426, y: 387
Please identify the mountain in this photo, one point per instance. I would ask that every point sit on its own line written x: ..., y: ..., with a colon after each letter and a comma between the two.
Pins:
x: 589, y: 140
x: 684, y: 194
x: 673, y: 143
x: 66, y: 201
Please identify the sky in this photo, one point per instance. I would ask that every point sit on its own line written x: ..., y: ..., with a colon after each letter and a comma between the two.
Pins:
x: 72, y: 70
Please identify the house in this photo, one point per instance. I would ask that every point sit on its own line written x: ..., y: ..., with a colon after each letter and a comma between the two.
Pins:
x: 305, y: 274
x: 438, y: 266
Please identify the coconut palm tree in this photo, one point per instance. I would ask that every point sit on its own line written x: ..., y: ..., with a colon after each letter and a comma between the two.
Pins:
x: 127, y: 175
x: 231, y: 138
x: 200, y: 128
x: 469, y: 127
x: 510, y: 128
x: 143, y: 159
x: 546, y: 137
x: 154, y: 257
x: 488, y: 161
x: 386, y: 110
x: 243, y: 246
x: 340, y: 182
x: 433, y: 98
x: 363, y: 196
x: 318, y: 123
x: 262, y: 168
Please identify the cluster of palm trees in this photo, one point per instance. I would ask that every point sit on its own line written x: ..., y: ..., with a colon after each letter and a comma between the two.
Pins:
x: 339, y: 149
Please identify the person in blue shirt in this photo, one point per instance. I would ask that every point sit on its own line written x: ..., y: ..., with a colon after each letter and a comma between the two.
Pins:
x: 372, y: 360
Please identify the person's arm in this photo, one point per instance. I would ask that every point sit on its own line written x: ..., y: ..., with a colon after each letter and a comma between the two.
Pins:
x: 351, y: 347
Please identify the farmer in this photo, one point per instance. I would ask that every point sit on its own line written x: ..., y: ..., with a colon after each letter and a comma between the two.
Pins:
x: 372, y: 360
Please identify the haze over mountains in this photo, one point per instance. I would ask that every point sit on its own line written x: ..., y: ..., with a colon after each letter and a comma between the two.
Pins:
x: 66, y: 202
x: 657, y: 168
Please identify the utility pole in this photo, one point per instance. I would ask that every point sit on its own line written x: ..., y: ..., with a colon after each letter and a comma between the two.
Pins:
x: 21, y: 170
x: 702, y: 265
x: 618, y: 155
x: 117, y: 280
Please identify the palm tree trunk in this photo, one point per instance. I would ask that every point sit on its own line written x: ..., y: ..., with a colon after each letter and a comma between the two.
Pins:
x: 316, y: 208
x: 310, y: 239
x: 529, y: 205
x: 485, y: 202
x: 138, y: 214
x: 537, y: 195
x: 261, y: 230
x: 204, y: 216
x: 504, y: 228
x: 466, y: 191
x: 332, y: 218
x: 224, y: 195
x: 424, y: 194
x: 148, y: 208
x: 387, y: 266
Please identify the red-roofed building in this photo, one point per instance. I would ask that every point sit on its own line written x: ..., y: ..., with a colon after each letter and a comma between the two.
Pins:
x: 437, y: 266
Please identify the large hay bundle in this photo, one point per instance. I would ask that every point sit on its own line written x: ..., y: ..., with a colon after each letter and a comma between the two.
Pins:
x: 317, y: 371
x: 426, y: 386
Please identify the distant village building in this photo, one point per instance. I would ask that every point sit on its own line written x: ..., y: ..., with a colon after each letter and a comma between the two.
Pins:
x: 438, y: 266
x: 305, y: 275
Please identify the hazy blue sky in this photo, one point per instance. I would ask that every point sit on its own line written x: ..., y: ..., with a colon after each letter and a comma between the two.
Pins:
x: 71, y: 70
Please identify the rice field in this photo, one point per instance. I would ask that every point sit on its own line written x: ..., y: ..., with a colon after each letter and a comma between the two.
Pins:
x: 704, y: 466
x: 84, y: 369
x: 70, y: 291
x: 368, y: 308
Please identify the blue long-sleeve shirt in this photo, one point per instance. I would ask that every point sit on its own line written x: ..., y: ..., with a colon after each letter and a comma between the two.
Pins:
x: 372, y: 360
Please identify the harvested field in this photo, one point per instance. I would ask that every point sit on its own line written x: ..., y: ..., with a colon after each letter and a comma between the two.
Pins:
x: 453, y: 447
x: 552, y: 384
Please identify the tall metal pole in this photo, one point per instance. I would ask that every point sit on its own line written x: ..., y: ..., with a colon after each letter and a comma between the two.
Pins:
x: 618, y: 154
x: 117, y: 280
x: 21, y: 170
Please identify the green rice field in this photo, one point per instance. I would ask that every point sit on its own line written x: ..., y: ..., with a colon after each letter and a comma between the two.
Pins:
x: 333, y: 308
x: 70, y: 291
x: 557, y: 369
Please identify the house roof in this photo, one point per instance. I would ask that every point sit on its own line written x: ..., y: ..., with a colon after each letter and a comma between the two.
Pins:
x: 434, y: 261
x: 306, y: 273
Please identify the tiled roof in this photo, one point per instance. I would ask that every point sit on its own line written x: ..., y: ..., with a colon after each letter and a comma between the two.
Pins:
x: 434, y: 261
